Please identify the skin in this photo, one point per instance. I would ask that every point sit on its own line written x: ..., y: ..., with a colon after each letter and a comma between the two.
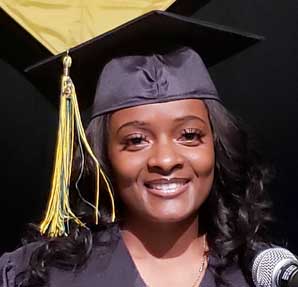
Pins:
x: 149, y: 146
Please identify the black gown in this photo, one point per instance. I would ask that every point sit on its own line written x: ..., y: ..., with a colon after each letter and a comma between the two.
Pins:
x: 109, y: 265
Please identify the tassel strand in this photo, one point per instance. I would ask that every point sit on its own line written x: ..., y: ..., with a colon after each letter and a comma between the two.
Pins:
x: 59, y: 213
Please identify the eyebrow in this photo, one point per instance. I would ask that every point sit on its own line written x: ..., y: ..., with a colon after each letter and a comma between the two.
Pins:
x: 133, y: 123
x: 189, y: 118
x: 143, y: 124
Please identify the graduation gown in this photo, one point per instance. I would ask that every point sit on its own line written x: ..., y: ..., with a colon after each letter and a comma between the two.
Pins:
x: 109, y: 265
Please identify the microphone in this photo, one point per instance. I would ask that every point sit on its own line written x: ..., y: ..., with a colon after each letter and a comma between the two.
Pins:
x: 275, y: 267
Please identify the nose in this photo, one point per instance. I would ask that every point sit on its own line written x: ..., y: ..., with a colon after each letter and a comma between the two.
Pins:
x: 165, y: 158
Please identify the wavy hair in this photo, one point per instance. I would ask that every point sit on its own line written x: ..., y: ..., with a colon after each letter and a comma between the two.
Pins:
x: 238, y: 201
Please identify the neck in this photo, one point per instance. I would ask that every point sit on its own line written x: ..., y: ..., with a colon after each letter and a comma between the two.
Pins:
x: 160, y: 240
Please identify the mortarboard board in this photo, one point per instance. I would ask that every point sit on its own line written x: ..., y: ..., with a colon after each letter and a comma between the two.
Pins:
x: 186, y: 7
x: 44, y: 28
x: 154, y: 32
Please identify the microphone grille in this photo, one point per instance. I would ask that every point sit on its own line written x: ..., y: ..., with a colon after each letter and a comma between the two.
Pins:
x: 263, y: 269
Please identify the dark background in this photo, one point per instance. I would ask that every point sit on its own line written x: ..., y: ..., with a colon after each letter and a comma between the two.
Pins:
x: 260, y: 85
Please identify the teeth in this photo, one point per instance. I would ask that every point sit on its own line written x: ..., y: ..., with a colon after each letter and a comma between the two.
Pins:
x: 166, y: 187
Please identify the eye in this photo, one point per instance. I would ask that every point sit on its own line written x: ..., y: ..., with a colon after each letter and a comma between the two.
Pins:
x: 135, y: 142
x: 191, y: 136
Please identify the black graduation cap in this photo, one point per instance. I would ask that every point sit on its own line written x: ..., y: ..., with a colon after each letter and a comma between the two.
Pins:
x: 155, y: 32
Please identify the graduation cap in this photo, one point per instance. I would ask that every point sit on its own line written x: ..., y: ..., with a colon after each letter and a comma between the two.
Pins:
x: 181, y: 46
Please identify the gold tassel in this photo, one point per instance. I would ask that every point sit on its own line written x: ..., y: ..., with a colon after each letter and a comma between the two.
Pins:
x: 59, y: 213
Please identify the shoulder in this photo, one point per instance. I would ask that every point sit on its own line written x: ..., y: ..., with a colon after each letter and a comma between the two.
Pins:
x: 13, y: 265
x: 16, y: 262
x: 108, y: 257
x: 235, y: 276
x: 109, y: 264
x: 231, y: 274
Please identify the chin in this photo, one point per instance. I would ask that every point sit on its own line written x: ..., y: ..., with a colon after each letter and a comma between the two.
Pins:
x: 171, y: 216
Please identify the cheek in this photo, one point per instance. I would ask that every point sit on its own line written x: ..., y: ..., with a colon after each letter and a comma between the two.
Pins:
x: 126, y: 168
x: 203, y: 161
x: 203, y: 166
x: 126, y: 172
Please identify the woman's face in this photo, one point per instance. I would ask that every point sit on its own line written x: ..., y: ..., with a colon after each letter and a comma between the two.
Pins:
x: 162, y: 157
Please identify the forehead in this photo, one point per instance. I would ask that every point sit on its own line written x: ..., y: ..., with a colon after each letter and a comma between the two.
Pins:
x: 160, y: 112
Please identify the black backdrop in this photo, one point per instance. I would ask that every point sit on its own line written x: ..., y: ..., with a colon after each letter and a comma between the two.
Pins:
x: 260, y: 85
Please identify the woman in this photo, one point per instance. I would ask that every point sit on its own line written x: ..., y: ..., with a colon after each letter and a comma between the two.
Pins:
x: 189, y: 192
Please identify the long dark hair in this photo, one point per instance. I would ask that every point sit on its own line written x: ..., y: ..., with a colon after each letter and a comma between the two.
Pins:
x: 238, y: 201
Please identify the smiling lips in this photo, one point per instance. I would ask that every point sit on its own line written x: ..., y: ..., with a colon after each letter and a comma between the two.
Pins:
x: 167, y: 188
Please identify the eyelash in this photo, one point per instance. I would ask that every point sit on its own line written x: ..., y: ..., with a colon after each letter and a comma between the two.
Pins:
x: 136, y: 140
x: 129, y: 141
x: 194, y: 132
